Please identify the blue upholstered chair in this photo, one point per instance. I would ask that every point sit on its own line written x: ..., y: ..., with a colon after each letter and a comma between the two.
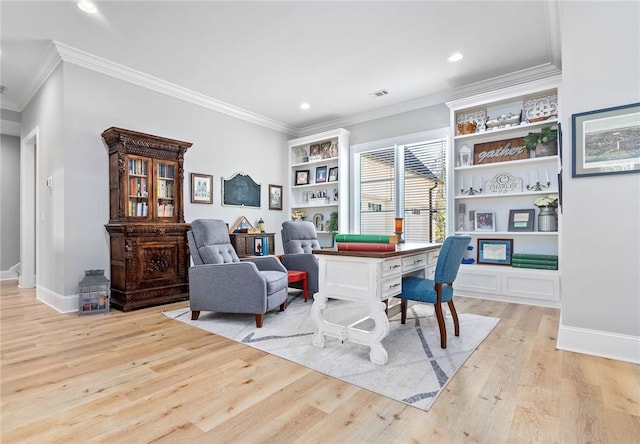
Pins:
x: 299, y: 238
x: 440, y: 289
x: 220, y: 281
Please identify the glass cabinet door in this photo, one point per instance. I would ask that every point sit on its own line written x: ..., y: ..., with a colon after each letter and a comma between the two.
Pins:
x: 138, y: 187
x: 165, y: 189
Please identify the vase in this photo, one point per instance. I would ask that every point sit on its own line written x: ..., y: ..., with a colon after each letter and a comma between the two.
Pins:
x: 547, y: 219
x: 546, y: 149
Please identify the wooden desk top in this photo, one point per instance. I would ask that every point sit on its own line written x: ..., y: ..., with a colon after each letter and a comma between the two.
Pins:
x: 401, y: 250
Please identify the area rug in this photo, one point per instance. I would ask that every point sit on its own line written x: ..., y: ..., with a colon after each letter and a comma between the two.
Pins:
x: 417, y: 371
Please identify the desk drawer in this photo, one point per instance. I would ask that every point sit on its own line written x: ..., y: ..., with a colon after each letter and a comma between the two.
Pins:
x: 391, y: 267
x: 432, y: 257
x: 390, y: 287
x: 415, y: 262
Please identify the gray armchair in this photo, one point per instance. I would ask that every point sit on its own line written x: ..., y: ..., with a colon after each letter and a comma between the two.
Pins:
x: 220, y: 281
x: 299, y: 238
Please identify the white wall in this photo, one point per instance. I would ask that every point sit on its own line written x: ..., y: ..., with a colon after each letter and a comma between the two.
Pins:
x: 600, y: 240
x: 9, y: 202
x: 94, y: 102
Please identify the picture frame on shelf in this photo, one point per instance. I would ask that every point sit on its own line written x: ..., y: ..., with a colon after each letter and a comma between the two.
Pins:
x: 605, y: 141
x: 275, y: 197
x: 321, y: 174
x: 521, y: 220
x: 465, y: 156
x: 333, y: 174
x: 485, y: 221
x: 495, y: 251
x: 201, y: 188
x: 302, y: 177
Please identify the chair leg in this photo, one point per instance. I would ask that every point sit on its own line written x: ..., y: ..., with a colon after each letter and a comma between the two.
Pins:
x: 284, y: 305
x: 454, y: 314
x: 259, y: 320
x: 443, y: 330
x: 403, y: 311
x: 195, y: 315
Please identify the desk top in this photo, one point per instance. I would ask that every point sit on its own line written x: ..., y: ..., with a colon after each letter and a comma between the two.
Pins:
x: 401, y: 250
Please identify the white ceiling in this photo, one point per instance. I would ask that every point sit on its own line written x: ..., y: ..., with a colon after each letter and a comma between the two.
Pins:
x: 267, y: 57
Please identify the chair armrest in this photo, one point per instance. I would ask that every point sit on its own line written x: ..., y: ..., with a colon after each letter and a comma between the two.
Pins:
x: 268, y: 263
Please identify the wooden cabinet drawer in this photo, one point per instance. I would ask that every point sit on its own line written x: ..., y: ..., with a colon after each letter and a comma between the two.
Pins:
x: 390, y: 287
x: 414, y: 262
x: 391, y: 267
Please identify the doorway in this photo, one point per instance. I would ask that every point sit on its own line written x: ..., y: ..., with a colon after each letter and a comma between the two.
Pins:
x: 29, y: 205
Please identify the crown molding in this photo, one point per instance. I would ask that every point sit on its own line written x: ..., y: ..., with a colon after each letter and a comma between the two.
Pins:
x: 104, y: 66
x: 50, y: 61
x: 535, y: 73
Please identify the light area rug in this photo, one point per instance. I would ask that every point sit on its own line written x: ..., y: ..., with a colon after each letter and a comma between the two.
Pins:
x: 417, y: 370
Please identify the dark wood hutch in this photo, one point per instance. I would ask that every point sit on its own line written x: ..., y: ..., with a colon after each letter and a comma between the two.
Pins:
x: 149, y: 252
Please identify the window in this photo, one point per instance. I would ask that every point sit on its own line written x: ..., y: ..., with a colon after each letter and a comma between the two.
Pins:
x: 406, y: 181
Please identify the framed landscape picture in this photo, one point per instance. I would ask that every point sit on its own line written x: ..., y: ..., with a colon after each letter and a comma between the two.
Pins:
x: 606, y: 141
x: 275, y: 197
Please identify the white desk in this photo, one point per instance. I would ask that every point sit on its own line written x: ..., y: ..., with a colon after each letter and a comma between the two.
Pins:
x: 367, y: 278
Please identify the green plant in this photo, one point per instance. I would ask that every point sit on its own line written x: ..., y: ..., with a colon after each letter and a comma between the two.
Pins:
x: 545, y: 135
x: 332, y: 226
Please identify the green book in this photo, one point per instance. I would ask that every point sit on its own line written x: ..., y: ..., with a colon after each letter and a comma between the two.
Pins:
x: 536, y: 266
x: 535, y: 261
x: 382, y: 238
x: 534, y: 256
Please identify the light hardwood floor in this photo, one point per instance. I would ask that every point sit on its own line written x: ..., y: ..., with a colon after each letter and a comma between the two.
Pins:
x: 141, y: 377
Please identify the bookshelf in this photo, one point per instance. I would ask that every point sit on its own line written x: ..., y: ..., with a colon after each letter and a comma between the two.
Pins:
x: 148, y: 244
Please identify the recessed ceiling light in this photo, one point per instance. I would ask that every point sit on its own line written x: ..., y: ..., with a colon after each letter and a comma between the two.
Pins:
x: 305, y: 105
x: 87, y: 7
x: 456, y: 56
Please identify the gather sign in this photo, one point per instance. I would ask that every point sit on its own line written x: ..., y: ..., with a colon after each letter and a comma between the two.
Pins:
x: 499, y: 151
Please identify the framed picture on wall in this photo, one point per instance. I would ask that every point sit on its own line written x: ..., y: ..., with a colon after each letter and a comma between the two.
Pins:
x: 605, y: 141
x: 201, y: 188
x: 275, y: 197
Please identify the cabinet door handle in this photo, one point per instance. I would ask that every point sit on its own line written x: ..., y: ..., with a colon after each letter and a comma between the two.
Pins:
x: 394, y: 266
x: 394, y: 285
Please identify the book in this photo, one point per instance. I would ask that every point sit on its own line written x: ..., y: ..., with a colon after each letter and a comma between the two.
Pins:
x: 378, y: 238
x: 535, y: 261
x: 536, y: 266
x: 365, y: 246
x: 534, y: 256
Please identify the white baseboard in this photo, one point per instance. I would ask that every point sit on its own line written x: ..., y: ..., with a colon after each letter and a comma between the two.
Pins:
x: 60, y: 303
x: 599, y: 343
x: 6, y: 275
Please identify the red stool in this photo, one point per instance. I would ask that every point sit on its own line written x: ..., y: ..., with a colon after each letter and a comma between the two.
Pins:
x: 297, y: 276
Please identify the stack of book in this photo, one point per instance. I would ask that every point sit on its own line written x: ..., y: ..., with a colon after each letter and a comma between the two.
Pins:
x: 366, y: 242
x: 540, y: 261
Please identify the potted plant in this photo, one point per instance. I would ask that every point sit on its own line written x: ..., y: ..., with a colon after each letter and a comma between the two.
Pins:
x: 547, y: 218
x: 332, y: 225
x: 543, y: 143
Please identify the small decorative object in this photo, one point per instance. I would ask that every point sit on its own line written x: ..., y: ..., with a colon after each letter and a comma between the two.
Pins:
x: 321, y: 174
x: 275, y: 197
x: 499, y: 151
x: 333, y: 174
x: 335, y: 194
x: 240, y: 190
x: 471, y: 191
x: 538, y: 109
x: 201, y: 185
x: 543, y: 143
x: 302, y: 177
x: 537, y: 186
x: 471, y: 122
x: 261, y: 225
x: 547, y: 218
x: 465, y: 156
x: 495, y: 251
x: 605, y: 141
x: 94, y: 293
x: 323, y: 150
x: 298, y: 215
x: 397, y: 224
x: 485, y: 221
x: 261, y: 246
x: 317, y: 221
x: 243, y: 225
x: 468, y: 255
x: 503, y: 183
x: 504, y: 121
x: 521, y: 220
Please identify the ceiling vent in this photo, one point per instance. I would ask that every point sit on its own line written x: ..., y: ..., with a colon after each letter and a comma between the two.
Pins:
x: 382, y: 92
